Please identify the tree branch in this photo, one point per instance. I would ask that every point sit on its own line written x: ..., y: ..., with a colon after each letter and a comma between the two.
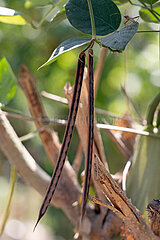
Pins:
x: 126, y: 211
x: 31, y: 173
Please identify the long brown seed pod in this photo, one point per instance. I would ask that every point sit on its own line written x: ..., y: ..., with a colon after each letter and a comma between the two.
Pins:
x: 88, y: 163
x: 67, y: 136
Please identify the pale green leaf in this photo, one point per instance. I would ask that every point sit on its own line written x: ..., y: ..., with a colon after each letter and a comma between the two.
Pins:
x: 66, y: 46
x: 7, y: 82
x: 10, y: 16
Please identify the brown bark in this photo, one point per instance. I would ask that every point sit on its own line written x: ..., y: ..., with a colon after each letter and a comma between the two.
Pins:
x: 120, y: 204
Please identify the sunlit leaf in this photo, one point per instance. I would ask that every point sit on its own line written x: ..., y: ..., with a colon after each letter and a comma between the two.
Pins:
x: 60, y: 16
x: 120, y: 1
x: 7, y: 82
x: 17, y: 20
x: 29, y: 4
x: 66, y: 46
x: 60, y: 3
x: 119, y: 39
x: 7, y: 12
x: 106, y: 15
x: 10, y: 16
x: 148, y: 16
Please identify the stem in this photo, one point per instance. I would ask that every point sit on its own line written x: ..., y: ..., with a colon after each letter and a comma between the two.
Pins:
x: 7, y: 209
x: 129, y: 130
x: 134, y: 4
x: 151, y: 11
x: 43, y: 19
x: 149, y: 31
x: 92, y: 18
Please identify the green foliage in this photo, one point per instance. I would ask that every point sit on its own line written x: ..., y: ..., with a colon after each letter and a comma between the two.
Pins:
x: 10, y: 16
x: 119, y: 39
x: 119, y: 2
x: 150, y: 2
x: 66, y: 46
x: 60, y: 16
x: 148, y: 16
x: 78, y: 14
x: 7, y: 82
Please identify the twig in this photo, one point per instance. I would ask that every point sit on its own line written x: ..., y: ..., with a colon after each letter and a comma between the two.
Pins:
x: 129, y: 214
x: 133, y: 105
x: 65, y: 101
x: 150, y: 10
x: 95, y: 200
x: 54, y: 97
x: 26, y: 118
x: 99, y: 68
x: 32, y: 174
x: 148, y: 31
x: 31, y: 134
x: 63, y: 122
x: 129, y: 130
x: 118, y: 142
x: 13, y: 178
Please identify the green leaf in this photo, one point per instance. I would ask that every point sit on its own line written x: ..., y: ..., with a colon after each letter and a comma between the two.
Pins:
x: 60, y: 16
x: 66, y: 46
x: 148, y: 16
x: 150, y: 2
x: 60, y: 3
x: 119, y: 2
x: 7, y: 82
x: 10, y: 16
x: 29, y: 4
x: 106, y: 15
x: 119, y: 39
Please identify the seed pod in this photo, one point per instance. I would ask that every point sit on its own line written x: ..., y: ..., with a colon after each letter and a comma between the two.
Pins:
x: 88, y: 163
x: 67, y: 136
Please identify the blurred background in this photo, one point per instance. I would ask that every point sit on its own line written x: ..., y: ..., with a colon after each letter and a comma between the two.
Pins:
x: 137, y: 68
